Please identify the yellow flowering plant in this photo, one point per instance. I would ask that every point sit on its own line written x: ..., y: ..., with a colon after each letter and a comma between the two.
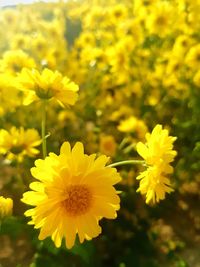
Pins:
x: 118, y: 70
x: 158, y: 153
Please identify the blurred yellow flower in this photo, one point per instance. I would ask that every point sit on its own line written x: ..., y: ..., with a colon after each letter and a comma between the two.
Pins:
x: 47, y: 85
x: 128, y: 125
x: 13, y: 61
x: 192, y: 58
x: 108, y: 145
x: 133, y: 124
x: 6, y: 206
x: 17, y: 143
x: 158, y: 153
x: 74, y: 192
x: 161, y: 18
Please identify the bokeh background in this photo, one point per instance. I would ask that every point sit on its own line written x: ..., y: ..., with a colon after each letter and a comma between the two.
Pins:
x: 137, y: 65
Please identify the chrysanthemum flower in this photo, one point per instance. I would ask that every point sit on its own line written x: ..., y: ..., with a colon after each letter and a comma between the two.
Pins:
x: 154, y: 184
x: 6, y: 206
x: 74, y: 192
x: 18, y: 143
x: 133, y: 124
x: 107, y: 145
x: 47, y: 85
x: 158, y: 153
x: 161, y: 18
x: 13, y: 61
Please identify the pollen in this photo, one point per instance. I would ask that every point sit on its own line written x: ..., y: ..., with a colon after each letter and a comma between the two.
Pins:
x: 78, y: 201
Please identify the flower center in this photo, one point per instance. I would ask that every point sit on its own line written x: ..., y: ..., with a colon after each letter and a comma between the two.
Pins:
x: 78, y: 200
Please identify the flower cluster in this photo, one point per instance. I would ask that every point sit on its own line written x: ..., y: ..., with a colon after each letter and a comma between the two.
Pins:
x: 158, y: 153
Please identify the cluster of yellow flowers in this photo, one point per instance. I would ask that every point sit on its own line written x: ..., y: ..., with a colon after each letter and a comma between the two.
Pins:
x: 158, y: 153
x: 122, y: 61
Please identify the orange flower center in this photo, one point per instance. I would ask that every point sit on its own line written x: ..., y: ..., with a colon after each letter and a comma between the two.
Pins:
x: 78, y: 200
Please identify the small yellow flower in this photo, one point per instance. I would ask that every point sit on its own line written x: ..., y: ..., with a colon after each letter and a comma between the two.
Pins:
x: 17, y: 143
x: 6, y: 206
x: 158, y: 153
x: 132, y: 124
x: 73, y: 193
x: 47, y: 85
x: 128, y: 125
x: 108, y: 145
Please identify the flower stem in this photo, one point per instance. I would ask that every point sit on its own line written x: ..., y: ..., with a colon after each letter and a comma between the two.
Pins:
x: 125, y: 162
x: 44, y: 144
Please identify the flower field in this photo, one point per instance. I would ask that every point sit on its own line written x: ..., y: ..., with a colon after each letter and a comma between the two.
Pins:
x: 100, y: 134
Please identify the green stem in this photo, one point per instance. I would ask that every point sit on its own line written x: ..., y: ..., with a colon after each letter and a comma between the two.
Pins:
x: 125, y: 162
x: 44, y: 144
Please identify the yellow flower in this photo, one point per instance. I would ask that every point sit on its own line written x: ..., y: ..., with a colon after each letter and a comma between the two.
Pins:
x: 159, y: 147
x: 74, y: 192
x: 6, y: 206
x: 117, y: 13
x: 108, y: 145
x: 181, y: 45
x: 161, y: 18
x: 192, y: 58
x: 132, y: 124
x: 47, y: 85
x: 17, y: 143
x: 128, y: 125
x: 158, y: 153
x: 13, y: 61
x: 154, y: 184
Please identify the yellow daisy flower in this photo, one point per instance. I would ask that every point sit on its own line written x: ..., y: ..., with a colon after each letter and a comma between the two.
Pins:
x: 74, y: 192
x: 154, y: 184
x: 133, y: 124
x: 47, y: 85
x: 158, y: 153
x: 161, y: 18
x: 13, y: 61
x: 17, y: 143
x: 159, y: 147
x: 6, y: 206
x: 108, y: 145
